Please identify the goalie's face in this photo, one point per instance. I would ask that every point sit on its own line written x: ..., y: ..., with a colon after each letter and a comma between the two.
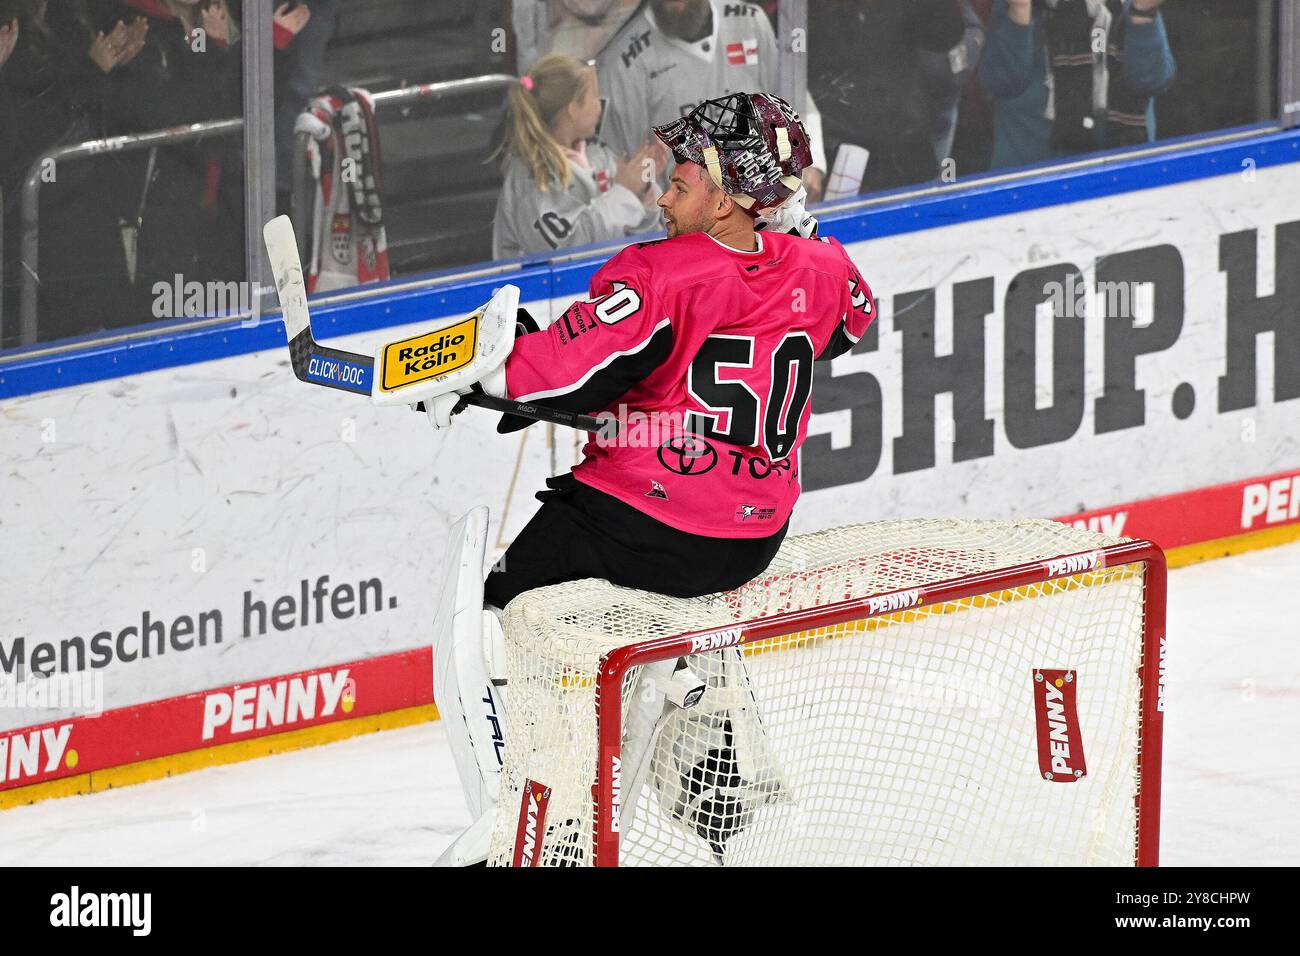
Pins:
x: 693, y: 202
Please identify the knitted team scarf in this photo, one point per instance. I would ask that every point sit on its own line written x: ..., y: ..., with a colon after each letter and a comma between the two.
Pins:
x: 348, y: 243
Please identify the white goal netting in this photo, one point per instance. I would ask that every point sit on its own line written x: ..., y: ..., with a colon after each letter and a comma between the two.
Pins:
x: 906, y: 738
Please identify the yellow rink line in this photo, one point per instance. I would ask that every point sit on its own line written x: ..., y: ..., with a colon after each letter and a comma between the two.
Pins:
x: 161, y: 767
x: 112, y: 777
x: 1228, y: 547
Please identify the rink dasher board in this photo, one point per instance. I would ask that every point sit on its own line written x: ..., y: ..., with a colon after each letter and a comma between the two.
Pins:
x: 209, y: 480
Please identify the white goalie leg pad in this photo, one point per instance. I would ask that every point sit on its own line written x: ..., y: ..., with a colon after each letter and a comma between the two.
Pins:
x: 471, y: 707
x: 472, y: 846
x: 661, y: 690
x: 646, y: 713
x: 712, y: 765
x: 494, y: 647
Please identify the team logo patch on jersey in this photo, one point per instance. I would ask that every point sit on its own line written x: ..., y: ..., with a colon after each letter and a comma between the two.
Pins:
x: 743, y: 53
x: 687, y: 455
x: 573, y: 323
x: 429, y: 354
x: 656, y: 491
x: 748, y: 513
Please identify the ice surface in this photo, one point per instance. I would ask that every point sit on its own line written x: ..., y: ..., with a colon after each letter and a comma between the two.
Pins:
x: 1231, y: 765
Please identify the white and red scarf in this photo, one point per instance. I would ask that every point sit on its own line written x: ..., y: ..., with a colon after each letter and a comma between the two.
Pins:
x: 348, y: 244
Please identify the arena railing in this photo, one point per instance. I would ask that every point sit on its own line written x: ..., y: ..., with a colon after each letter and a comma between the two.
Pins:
x: 29, y: 202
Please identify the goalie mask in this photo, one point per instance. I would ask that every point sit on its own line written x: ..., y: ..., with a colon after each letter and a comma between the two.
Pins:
x: 753, y: 146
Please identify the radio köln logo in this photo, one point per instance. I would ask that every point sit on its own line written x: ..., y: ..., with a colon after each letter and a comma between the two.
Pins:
x: 688, y: 455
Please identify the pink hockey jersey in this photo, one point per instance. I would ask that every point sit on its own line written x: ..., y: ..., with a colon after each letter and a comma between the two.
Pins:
x: 706, y: 356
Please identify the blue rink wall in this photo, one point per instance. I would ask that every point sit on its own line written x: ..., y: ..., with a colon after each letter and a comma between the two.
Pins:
x: 541, y: 279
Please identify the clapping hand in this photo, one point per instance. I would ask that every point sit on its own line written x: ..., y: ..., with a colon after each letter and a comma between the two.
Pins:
x: 215, y: 22
x: 8, y: 40
x: 293, y: 19
x: 120, y: 45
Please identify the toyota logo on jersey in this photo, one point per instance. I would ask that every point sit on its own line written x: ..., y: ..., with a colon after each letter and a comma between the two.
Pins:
x: 687, y: 455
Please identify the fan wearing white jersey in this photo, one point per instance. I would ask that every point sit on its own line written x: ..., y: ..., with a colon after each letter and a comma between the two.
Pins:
x: 672, y: 55
x: 562, y: 187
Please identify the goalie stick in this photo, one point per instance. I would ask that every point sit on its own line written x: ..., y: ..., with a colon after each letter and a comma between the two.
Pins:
x: 353, y: 372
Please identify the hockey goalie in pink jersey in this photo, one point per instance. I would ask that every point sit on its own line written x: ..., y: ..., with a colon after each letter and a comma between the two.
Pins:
x: 709, y: 335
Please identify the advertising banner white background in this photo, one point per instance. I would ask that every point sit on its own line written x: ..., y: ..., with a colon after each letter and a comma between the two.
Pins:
x: 177, y: 491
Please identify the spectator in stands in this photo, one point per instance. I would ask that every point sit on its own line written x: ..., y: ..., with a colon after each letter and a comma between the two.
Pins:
x: 187, y: 208
x: 301, y: 35
x: 673, y: 54
x: 945, y: 66
x: 972, y: 148
x: 562, y: 188
x: 1056, y: 92
x: 10, y: 29
x: 888, y: 75
x: 59, y: 61
x: 579, y: 28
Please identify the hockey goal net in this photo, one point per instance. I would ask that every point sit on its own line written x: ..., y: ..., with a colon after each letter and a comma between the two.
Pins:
x: 903, y: 692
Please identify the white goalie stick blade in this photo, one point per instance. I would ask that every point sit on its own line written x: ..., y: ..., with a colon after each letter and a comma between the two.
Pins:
x: 314, y: 363
x: 353, y: 372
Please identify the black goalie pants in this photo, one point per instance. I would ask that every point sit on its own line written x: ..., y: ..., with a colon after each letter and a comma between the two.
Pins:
x: 580, y: 532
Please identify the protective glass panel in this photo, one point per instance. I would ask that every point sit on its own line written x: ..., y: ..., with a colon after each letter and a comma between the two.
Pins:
x: 917, y: 91
x: 113, y: 216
